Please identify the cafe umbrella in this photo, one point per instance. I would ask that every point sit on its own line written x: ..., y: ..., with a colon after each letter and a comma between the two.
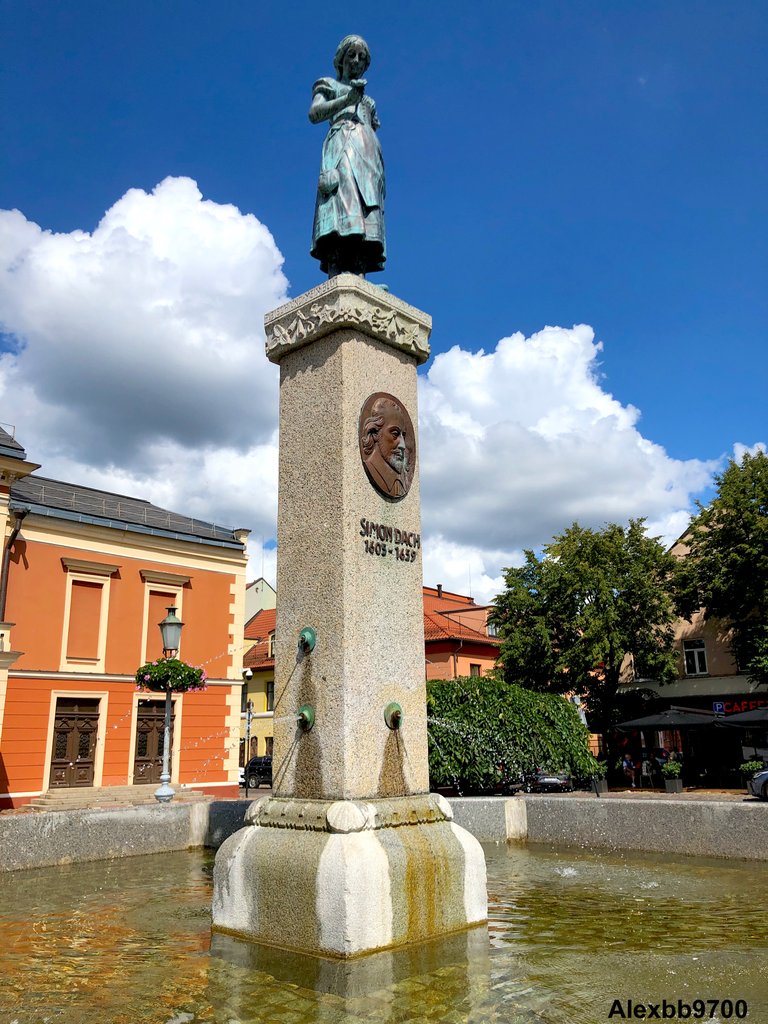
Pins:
x: 672, y: 718
x: 755, y: 719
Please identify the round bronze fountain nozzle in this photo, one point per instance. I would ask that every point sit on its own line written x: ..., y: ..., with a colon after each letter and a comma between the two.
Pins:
x: 305, y: 717
x: 393, y: 715
x: 307, y: 640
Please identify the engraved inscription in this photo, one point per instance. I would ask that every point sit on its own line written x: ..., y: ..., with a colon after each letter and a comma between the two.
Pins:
x: 383, y: 541
x: 387, y: 444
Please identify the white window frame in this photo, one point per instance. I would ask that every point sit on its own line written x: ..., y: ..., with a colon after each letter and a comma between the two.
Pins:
x: 699, y: 651
x: 170, y: 582
x: 82, y: 571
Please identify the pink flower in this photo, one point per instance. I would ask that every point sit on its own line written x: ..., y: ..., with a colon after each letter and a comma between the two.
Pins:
x: 146, y: 678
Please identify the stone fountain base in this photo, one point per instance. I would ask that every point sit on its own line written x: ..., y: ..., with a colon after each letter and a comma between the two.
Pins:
x: 344, y: 878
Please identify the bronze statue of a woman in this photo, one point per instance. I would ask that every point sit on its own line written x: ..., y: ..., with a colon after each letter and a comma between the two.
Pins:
x: 348, y: 233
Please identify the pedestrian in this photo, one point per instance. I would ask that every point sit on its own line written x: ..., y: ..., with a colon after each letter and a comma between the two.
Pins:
x: 628, y: 768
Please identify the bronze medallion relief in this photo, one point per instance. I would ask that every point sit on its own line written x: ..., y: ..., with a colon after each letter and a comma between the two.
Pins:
x: 387, y: 444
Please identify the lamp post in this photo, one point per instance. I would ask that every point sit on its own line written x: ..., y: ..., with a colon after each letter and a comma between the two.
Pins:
x: 170, y: 630
x: 248, y: 720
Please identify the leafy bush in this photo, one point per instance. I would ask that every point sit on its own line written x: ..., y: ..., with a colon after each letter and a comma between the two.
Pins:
x: 671, y: 769
x: 751, y: 767
x: 170, y: 674
x: 483, y: 732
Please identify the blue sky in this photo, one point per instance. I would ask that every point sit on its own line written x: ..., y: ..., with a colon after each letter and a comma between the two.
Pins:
x: 548, y: 164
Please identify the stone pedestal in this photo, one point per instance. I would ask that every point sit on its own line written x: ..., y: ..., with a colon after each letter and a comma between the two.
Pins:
x: 351, y: 854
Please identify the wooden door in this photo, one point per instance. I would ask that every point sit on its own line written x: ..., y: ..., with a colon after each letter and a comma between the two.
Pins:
x: 74, y: 742
x: 150, y: 733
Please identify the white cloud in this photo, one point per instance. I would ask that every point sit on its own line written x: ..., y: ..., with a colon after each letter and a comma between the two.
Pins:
x: 145, y: 330
x: 740, y: 450
x: 519, y: 442
x: 137, y: 365
x: 464, y: 568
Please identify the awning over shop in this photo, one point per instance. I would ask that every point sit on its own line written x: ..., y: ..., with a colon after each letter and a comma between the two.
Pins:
x: 674, y: 718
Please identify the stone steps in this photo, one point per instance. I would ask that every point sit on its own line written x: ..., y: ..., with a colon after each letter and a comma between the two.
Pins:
x: 108, y: 796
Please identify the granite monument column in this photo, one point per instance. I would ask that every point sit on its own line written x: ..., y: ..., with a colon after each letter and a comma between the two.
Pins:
x: 351, y: 853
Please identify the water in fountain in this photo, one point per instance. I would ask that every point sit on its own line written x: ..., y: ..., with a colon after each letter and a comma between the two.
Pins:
x: 128, y: 942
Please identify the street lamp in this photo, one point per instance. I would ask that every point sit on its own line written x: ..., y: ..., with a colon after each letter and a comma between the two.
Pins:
x: 170, y: 631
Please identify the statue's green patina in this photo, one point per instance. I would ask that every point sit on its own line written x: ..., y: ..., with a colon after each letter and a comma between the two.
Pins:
x: 348, y: 233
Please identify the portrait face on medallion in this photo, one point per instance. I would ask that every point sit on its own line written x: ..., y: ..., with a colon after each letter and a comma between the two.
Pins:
x: 387, y: 444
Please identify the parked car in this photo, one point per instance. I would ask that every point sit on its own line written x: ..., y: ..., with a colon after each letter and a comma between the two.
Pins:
x: 258, y: 772
x: 758, y: 785
x: 548, y: 782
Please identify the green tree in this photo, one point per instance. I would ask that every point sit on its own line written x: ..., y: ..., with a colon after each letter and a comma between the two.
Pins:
x: 484, y: 731
x: 568, y: 619
x: 726, y: 569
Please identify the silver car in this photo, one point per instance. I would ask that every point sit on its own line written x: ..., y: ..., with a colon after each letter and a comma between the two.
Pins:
x: 758, y: 785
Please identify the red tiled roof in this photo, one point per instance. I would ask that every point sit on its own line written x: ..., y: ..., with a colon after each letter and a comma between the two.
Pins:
x: 441, y: 627
x: 258, y: 657
x: 439, y: 624
x: 448, y: 602
x: 261, y: 624
x: 259, y: 628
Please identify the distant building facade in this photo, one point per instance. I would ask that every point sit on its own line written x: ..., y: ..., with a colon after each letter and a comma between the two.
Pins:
x: 259, y: 594
x: 258, y: 685
x: 86, y: 577
x: 458, y: 640
x: 708, y: 679
x: 708, y: 675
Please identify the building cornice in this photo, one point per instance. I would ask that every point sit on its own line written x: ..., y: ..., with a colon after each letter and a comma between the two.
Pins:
x: 99, y: 538
x: 96, y: 677
x: 15, y: 469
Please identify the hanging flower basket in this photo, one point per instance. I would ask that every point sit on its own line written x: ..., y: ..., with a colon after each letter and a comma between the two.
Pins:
x: 170, y: 674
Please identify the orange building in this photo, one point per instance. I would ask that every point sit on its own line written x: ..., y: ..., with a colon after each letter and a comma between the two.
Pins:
x: 86, y: 577
x: 457, y: 638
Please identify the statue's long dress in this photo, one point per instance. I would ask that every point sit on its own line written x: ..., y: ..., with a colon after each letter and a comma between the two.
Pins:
x: 350, y: 195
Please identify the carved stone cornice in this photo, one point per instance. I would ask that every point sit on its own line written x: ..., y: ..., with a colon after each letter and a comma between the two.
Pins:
x: 347, y: 815
x: 12, y: 470
x: 347, y: 301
